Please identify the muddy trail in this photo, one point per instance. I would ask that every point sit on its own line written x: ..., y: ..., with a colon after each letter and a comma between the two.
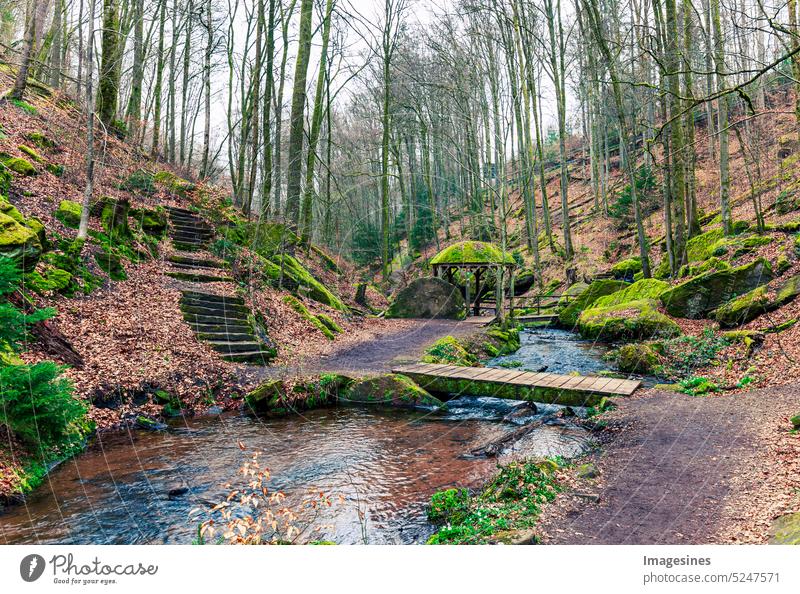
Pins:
x: 676, y: 470
x: 377, y: 355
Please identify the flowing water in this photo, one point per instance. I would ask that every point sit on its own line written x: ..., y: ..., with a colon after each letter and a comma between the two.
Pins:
x: 380, y: 467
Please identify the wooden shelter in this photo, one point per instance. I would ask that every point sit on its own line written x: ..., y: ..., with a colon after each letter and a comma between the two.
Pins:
x: 476, y: 260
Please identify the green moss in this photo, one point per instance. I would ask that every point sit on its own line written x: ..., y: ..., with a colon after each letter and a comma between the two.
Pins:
x: 69, y: 213
x: 300, y: 308
x: 568, y: 316
x: 700, y: 247
x: 300, y: 277
x: 632, y: 320
x: 472, y: 252
x: 635, y: 358
x: 329, y: 323
x: 447, y: 350
x: 55, y: 169
x: 50, y: 279
x: 782, y: 265
x: 174, y: 184
x: 391, y: 389
x: 786, y: 530
x: 703, y: 294
x: 649, y: 288
x: 743, y: 309
x: 24, y: 106
x: 709, y: 265
x: 788, y: 291
x: 31, y: 153
x: 626, y: 268
x: 19, y: 165
x: 41, y: 141
x: 141, y: 182
x: 19, y: 243
x: 10, y: 210
x: 111, y: 264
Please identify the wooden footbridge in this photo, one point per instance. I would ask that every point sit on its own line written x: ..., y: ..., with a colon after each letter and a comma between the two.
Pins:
x: 552, y: 388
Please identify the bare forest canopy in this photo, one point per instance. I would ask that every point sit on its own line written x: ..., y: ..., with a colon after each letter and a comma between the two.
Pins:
x: 373, y: 127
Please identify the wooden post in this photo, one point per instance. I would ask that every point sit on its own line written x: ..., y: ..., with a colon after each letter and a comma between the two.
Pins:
x: 499, y: 294
x: 511, y: 295
x: 478, y: 274
x: 466, y: 290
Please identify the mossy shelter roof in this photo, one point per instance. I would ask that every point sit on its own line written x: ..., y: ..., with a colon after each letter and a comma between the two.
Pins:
x: 472, y: 252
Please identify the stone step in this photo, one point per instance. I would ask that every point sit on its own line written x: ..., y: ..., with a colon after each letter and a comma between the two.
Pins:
x: 234, y: 347
x: 215, y: 309
x: 204, y: 262
x: 189, y: 247
x: 230, y: 305
x: 199, y: 277
x: 212, y: 297
x: 189, y: 267
x: 179, y: 210
x: 196, y: 320
x: 188, y: 238
x: 188, y: 230
x: 232, y: 326
x: 259, y: 357
x: 226, y: 337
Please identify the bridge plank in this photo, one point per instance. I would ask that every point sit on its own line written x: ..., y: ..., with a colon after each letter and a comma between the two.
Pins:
x: 589, y: 384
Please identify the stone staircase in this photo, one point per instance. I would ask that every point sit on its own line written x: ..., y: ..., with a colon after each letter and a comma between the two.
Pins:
x: 221, y: 321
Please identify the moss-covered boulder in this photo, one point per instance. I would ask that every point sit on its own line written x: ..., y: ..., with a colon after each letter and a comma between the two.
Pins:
x: 19, y: 165
x: 648, y: 288
x: 301, y: 309
x: 69, y: 213
x: 635, y: 358
x: 42, y: 141
x: 152, y: 220
x: 626, y: 269
x: 292, y: 274
x: 111, y: 264
x: 328, y: 322
x: 391, y: 389
x: 634, y: 320
x: 743, y: 309
x: 709, y: 265
x: 428, y: 297
x: 275, y: 398
x: 47, y: 280
x: 524, y: 281
x: 568, y: 316
x: 448, y: 351
x: 140, y: 182
x: 472, y: 252
x: 31, y: 153
x: 788, y: 291
x: 19, y: 242
x: 173, y: 183
x: 699, y: 296
x: 786, y: 530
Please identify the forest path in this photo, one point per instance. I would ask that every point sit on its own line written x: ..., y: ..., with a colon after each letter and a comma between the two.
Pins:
x: 377, y: 355
x: 673, y: 466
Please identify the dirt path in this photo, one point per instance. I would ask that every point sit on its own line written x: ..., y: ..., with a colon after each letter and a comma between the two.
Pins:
x: 377, y: 355
x: 681, y: 469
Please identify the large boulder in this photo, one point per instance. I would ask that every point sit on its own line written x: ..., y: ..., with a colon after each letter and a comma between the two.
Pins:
x: 69, y: 213
x: 699, y: 296
x: 19, y: 242
x: 626, y: 269
x: 390, y: 389
x: 428, y: 297
x: 743, y: 309
x: 568, y: 316
x: 647, y: 288
x: 636, y: 320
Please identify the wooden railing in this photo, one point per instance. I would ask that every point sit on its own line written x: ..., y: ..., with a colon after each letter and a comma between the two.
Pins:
x: 538, y: 302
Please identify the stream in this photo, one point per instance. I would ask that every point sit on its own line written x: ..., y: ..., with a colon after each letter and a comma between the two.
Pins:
x: 379, y: 466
